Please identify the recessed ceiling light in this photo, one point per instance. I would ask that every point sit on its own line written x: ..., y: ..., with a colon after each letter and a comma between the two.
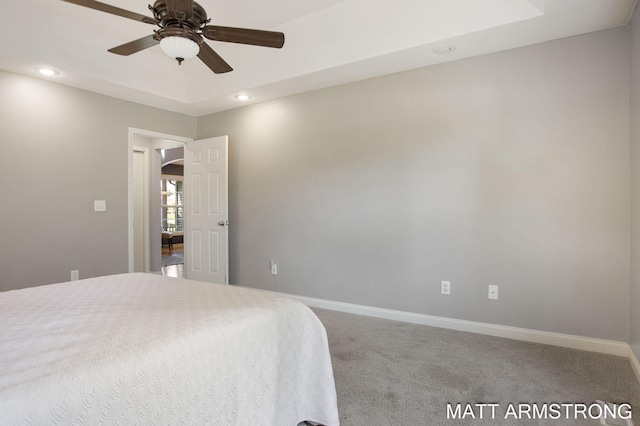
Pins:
x: 444, y: 50
x: 243, y: 97
x: 48, y: 72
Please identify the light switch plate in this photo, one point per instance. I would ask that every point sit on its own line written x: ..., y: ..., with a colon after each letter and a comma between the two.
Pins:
x: 100, y: 206
x: 493, y: 292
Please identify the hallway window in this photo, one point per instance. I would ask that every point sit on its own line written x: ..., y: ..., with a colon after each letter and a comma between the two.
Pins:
x: 172, y: 205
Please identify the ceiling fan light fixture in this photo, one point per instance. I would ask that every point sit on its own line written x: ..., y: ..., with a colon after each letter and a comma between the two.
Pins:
x: 179, y: 48
x: 181, y: 26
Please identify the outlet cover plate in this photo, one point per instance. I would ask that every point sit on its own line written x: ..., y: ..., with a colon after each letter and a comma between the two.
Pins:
x: 445, y: 287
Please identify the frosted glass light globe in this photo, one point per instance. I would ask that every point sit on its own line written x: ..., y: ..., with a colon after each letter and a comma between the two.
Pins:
x: 179, y: 48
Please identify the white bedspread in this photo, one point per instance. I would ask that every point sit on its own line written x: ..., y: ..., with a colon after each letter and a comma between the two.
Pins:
x: 143, y: 349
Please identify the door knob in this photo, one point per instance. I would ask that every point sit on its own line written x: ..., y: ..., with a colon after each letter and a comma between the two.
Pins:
x: 223, y: 223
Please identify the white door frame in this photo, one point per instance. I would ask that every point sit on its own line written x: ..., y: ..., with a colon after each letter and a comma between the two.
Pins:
x: 145, y: 206
x: 134, y: 134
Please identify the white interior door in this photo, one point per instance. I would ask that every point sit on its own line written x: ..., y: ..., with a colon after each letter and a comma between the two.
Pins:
x: 206, y: 250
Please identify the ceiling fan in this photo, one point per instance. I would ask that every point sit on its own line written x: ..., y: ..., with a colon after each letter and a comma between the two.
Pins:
x: 182, y: 24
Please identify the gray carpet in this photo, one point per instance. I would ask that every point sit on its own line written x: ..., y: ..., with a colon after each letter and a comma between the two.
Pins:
x: 394, y: 373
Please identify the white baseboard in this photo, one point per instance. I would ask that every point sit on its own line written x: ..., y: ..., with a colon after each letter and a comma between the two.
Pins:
x: 610, y: 347
x: 635, y: 364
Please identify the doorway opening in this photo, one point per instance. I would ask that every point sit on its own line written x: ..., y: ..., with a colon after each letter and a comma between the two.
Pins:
x: 172, y: 210
x: 145, y: 213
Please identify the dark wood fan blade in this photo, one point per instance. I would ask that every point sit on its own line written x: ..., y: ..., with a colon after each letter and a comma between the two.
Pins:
x: 135, y: 46
x: 92, y: 4
x: 180, y: 9
x: 213, y: 60
x: 244, y: 36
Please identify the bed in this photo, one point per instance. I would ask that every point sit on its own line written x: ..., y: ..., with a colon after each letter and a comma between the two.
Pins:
x: 144, y: 349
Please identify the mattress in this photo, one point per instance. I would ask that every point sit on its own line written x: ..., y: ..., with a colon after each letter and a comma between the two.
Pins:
x: 144, y: 349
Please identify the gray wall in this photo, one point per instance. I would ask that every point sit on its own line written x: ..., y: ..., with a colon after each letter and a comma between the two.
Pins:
x: 634, y: 300
x: 509, y: 169
x: 62, y: 148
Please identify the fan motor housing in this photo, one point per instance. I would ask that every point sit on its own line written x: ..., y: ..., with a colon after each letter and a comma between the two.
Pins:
x: 165, y: 19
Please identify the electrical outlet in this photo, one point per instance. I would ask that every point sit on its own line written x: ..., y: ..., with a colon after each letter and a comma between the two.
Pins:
x: 445, y: 287
x: 75, y: 275
x: 274, y: 268
x: 493, y: 292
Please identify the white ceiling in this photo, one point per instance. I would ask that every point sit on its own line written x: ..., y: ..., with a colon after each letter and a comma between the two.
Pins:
x: 328, y: 42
